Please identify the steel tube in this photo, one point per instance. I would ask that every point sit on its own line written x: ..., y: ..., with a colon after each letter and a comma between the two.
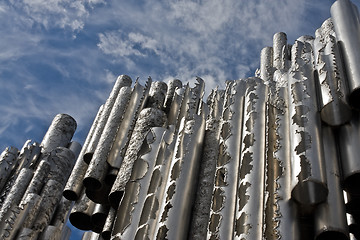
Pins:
x: 172, y: 86
x: 108, y: 225
x: 266, y: 64
x: 279, y: 51
x: 347, y: 27
x: 80, y: 216
x: 157, y: 95
x: 7, y: 164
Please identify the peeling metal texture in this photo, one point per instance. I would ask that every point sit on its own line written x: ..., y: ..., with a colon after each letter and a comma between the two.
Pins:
x: 280, y: 210
x: 74, y: 184
x: 98, y: 166
x: 280, y: 53
x: 223, y: 206
x: 59, y: 133
x: 250, y: 197
x: 330, y: 216
x: 175, y: 210
x: 210, y: 154
x: 349, y: 142
x: 266, y: 64
x: 7, y: 164
x: 137, y: 101
x: 136, y: 190
x: 329, y: 73
x: 307, y: 158
x: 172, y: 86
x: 148, y: 117
x: 346, y: 20
x: 122, y: 81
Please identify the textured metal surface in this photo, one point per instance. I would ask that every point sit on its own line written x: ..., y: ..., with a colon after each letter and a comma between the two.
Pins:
x: 172, y: 86
x: 347, y: 27
x: 266, y: 64
x: 7, y: 164
x: 80, y: 216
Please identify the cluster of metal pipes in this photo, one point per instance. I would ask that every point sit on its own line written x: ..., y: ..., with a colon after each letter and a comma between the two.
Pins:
x: 32, y: 181
x: 270, y: 157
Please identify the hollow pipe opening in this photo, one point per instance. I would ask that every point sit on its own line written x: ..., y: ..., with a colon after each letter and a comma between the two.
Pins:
x: 332, y: 235
x: 115, y: 198
x: 91, y: 183
x: 80, y: 220
x: 310, y: 192
x: 354, y: 98
x: 87, y: 157
x: 70, y: 195
x: 352, y: 183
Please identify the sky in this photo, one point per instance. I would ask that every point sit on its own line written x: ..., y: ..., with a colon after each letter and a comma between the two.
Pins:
x: 63, y: 56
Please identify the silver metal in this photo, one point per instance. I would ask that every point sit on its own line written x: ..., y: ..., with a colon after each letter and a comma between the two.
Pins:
x: 61, y: 160
x: 330, y: 216
x: 266, y: 64
x: 74, y: 184
x: 280, y: 51
x: 7, y: 164
x: 349, y: 141
x: 98, y: 166
x: 175, y: 209
x: 308, y: 168
x: 222, y: 212
x: 172, y: 86
x: 108, y: 226
x: 37, y: 181
x: 98, y: 217
x: 60, y: 132
x: 157, y: 95
x: 148, y: 117
x: 330, y: 75
x: 122, y: 81
x: 80, y: 216
x: 137, y: 101
x: 33, y: 201
x: 347, y: 27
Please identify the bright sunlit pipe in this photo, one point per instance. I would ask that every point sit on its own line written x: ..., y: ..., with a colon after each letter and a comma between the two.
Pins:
x: 279, y: 51
x: 172, y: 86
x: 122, y: 81
x: 37, y: 181
x: 349, y: 142
x: 60, y: 132
x: 137, y: 101
x: 222, y: 212
x: 307, y: 157
x: 136, y: 190
x: 250, y: 196
x: 148, y: 117
x: 347, y: 27
x: 175, y: 209
x: 281, y: 219
x: 332, y: 88
x: 74, y: 184
x: 266, y: 64
x: 97, y: 169
x: 157, y: 95
x: 330, y: 216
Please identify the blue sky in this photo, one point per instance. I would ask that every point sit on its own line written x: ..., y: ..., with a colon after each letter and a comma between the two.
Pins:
x: 63, y: 56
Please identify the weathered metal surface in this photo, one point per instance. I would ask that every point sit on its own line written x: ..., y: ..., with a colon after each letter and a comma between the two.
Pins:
x: 74, y: 184
x: 98, y: 166
x: 266, y: 64
x: 122, y: 81
x: 172, y: 86
x: 330, y: 75
x: 308, y: 168
x: 108, y: 225
x: 157, y: 95
x: 148, y: 117
x: 80, y: 216
x: 7, y: 164
x: 280, y: 51
x: 347, y: 27
x: 59, y: 133
x: 37, y: 181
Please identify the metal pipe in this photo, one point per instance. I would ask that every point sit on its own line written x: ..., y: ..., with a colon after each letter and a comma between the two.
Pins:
x: 80, y: 216
x: 279, y: 51
x: 37, y: 181
x: 7, y: 164
x: 330, y: 75
x: 137, y: 101
x: 60, y: 132
x: 98, y: 166
x: 330, y: 216
x: 157, y: 95
x: 99, y: 216
x: 108, y: 225
x: 148, y: 117
x: 266, y: 64
x: 308, y: 168
x: 74, y: 184
x: 349, y: 141
x: 172, y: 86
x: 347, y: 27
x: 122, y: 81
x: 222, y: 212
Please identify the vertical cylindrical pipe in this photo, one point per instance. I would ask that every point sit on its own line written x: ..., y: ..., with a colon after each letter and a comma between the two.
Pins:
x: 108, y: 226
x: 250, y: 196
x: 157, y: 95
x: 74, y: 184
x: 347, y: 27
x: 222, y: 212
x: 38, y: 180
x: 308, y: 167
x: 136, y: 190
x: 172, y: 86
x: 33, y: 201
x: 59, y: 133
x: 148, y: 117
x: 281, y: 219
x: 266, y: 64
x: 176, y: 210
x: 210, y: 154
x: 98, y: 217
x: 80, y: 216
x: 61, y: 161
x: 349, y: 142
x: 279, y: 55
x: 330, y: 75
x: 122, y: 81
x: 330, y: 216
x: 98, y: 166
x: 137, y: 101
x: 7, y: 164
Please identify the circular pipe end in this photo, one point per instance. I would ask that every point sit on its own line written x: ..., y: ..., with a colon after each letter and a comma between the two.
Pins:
x: 352, y: 184
x: 80, y: 220
x: 310, y: 192
x: 115, y: 198
x: 70, y: 195
x: 92, y: 183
